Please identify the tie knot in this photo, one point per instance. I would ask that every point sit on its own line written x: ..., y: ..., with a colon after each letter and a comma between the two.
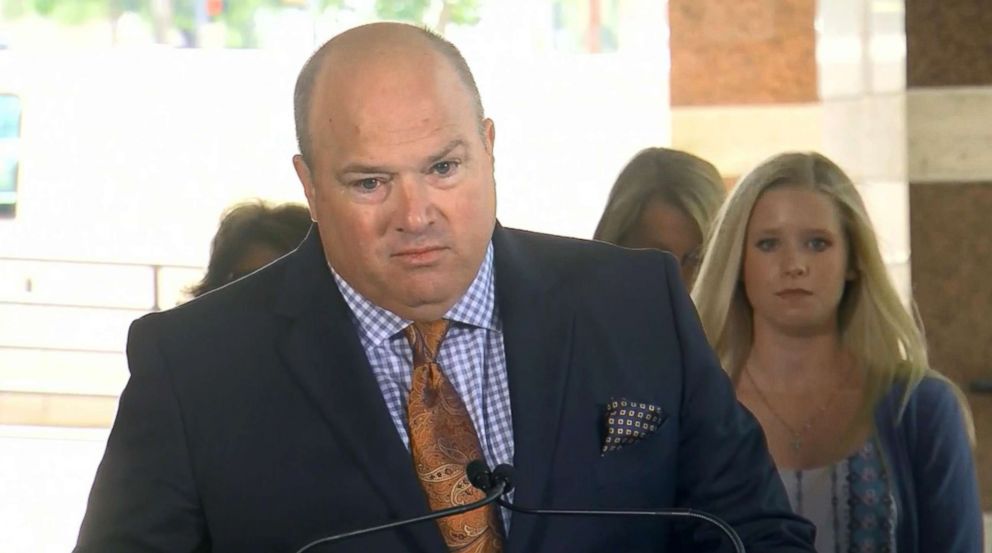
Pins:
x: 425, y: 340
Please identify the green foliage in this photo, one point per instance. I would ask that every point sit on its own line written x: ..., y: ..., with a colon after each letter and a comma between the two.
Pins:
x: 12, y: 9
x: 184, y: 16
x: 237, y: 16
x: 464, y: 12
x: 402, y: 10
x: 69, y: 12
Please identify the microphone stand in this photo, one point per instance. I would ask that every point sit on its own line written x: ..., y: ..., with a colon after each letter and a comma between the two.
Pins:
x: 502, y: 477
x: 685, y: 513
x: 493, y: 494
x: 499, y: 482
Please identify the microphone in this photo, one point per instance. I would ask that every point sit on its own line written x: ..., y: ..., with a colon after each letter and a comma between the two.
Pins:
x: 478, y: 474
x: 484, y: 479
x: 502, y: 477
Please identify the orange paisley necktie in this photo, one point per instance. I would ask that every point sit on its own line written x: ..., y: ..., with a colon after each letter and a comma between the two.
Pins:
x: 442, y: 442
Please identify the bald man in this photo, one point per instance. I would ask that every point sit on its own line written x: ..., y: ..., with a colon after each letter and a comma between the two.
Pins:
x: 345, y: 385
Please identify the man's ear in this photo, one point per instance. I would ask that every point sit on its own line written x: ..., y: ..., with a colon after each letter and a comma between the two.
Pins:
x: 306, y: 179
x: 489, y: 135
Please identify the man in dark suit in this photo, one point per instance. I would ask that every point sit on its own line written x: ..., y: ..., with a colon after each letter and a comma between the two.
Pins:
x: 345, y: 385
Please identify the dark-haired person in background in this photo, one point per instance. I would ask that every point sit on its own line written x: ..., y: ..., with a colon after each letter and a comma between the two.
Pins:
x: 250, y: 236
x: 347, y: 384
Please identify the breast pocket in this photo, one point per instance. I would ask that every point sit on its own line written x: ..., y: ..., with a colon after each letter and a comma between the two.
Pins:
x: 639, y: 466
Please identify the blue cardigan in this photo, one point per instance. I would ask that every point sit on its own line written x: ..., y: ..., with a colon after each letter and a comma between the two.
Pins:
x: 930, y: 458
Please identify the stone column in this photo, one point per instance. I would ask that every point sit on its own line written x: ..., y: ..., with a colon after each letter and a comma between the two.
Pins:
x: 949, y: 126
x: 743, y: 80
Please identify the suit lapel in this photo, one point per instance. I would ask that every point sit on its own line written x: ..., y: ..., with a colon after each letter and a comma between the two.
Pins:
x: 323, y: 352
x: 537, y: 334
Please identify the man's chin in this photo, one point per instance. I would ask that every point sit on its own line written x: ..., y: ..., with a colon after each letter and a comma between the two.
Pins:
x: 422, y: 311
x: 427, y: 302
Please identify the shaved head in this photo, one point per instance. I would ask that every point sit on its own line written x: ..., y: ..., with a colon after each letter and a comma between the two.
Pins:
x: 370, y: 44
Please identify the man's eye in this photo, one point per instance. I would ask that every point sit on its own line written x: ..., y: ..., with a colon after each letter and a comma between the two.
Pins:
x: 444, y: 167
x: 368, y: 185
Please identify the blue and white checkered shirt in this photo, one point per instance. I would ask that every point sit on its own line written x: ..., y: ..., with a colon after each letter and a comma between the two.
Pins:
x: 471, y: 356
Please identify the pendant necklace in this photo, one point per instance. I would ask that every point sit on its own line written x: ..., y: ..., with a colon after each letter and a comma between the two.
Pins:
x: 796, y: 435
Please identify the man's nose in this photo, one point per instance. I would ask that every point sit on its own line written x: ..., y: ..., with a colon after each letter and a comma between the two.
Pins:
x: 415, y: 210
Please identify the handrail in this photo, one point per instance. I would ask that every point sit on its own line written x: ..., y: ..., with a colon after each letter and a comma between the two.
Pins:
x: 156, y: 269
x: 58, y: 349
x: 97, y: 262
x: 76, y: 305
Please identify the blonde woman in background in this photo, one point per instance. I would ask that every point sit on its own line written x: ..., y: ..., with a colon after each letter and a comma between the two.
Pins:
x: 663, y: 199
x: 872, y: 445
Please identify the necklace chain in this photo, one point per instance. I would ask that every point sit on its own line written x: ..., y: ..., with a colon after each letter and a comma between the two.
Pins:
x: 797, y: 436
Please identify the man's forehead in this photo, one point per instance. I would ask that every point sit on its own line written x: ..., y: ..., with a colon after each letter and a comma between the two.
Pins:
x: 417, y: 126
x: 391, y: 107
x: 393, y: 92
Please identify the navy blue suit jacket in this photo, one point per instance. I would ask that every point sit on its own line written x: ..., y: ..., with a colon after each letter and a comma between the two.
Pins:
x: 252, y: 421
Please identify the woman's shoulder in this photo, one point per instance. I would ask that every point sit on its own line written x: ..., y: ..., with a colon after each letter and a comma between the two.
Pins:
x: 931, y: 391
x: 931, y: 403
x: 931, y: 411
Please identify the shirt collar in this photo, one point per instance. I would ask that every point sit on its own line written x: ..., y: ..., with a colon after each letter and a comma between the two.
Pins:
x: 474, y: 308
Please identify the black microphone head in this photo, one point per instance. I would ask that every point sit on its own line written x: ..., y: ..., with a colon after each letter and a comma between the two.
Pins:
x: 479, y: 475
x: 503, y: 473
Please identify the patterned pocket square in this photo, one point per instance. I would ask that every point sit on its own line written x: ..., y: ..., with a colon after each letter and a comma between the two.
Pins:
x: 628, y: 422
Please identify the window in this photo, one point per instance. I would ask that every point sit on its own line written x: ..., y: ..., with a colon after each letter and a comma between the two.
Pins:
x: 10, y: 133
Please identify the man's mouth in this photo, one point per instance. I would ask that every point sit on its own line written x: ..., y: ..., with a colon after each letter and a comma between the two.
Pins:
x: 420, y: 255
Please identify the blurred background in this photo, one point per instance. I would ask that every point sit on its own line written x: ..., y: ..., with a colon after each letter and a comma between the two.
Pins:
x: 127, y: 126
